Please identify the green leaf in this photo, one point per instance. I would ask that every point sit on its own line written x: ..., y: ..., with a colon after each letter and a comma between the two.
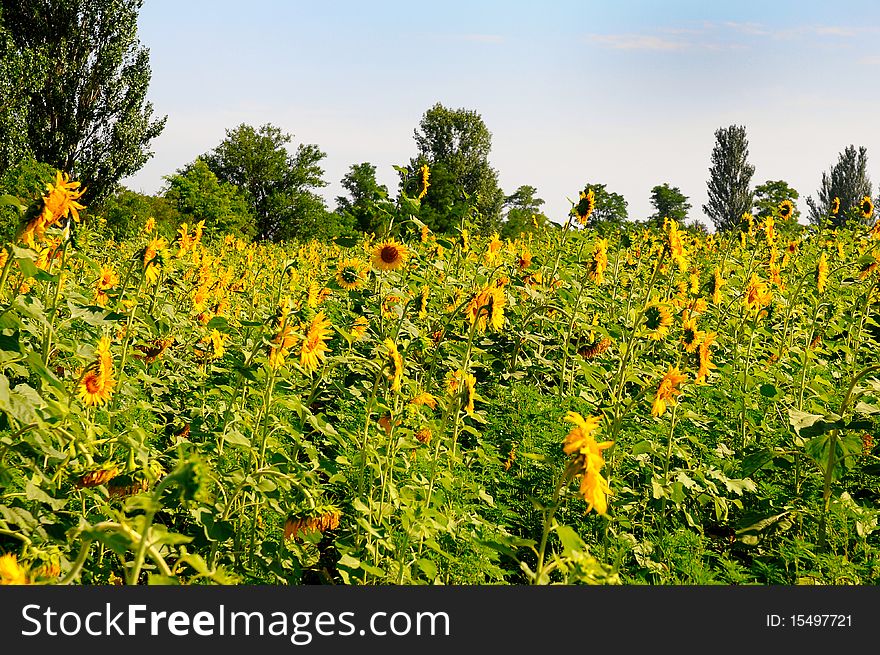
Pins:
x: 346, y: 241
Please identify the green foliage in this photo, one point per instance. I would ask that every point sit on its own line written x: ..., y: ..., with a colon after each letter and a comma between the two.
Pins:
x: 26, y: 180
x: 81, y: 106
x: 669, y: 202
x: 126, y: 211
x: 524, y: 215
x: 729, y: 177
x: 455, y: 143
x: 280, y: 187
x: 847, y: 180
x: 770, y: 195
x: 198, y: 195
x: 364, y: 192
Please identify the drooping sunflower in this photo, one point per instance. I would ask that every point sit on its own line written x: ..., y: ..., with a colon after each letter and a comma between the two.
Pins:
x: 155, y: 254
x: 757, y: 295
x: 425, y: 175
x: 822, y: 273
x: 717, y: 283
x: 390, y: 255
x: 786, y: 210
x: 359, y: 328
x: 658, y: 321
x: 586, y: 205
x: 462, y: 384
x: 314, y: 345
x: 667, y: 390
x: 351, y: 274
x: 424, y: 398
x: 587, y: 460
x: 597, y: 265
x: 525, y: 259
x: 394, y: 363
x: 704, y: 358
x: 676, y: 246
x: 835, y: 205
x: 866, y: 207
x: 487, y: 308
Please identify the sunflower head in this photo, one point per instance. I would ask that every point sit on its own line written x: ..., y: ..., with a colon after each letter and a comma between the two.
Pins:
x: 585, y: 206
x: 786, y: 210
x: 835, y: 206
x: 390, y: 255
x: 657, y: 320
x: 351, y: 274
x: 866, y: 207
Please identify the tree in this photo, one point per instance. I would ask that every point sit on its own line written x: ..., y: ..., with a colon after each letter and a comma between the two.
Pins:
x: 669, y: 202
x: 198, y: 195
x: 770, y: 195
x: 729, y: 178
x: 847, y: 180
x: 126, y: 212
x: 82, y: 105
x: 26, y: 181
x: 610, y: 207
x: 363, y: 194
x: 455, y: 144
x: 524, y: 213
x: 279, y: 186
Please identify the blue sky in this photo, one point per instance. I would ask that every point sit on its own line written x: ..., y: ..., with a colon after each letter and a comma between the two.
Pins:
x: 627, y: 94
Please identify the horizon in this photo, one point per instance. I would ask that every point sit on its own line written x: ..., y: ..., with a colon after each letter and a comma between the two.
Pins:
x: 630, y: 100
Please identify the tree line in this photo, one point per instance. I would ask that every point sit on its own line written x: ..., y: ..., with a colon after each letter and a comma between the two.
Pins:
x: 73, y: 86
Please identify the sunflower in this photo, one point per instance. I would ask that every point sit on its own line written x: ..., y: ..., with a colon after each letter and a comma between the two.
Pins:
x: 423, y: 302
x: 155, y: 254
x: 394, y: 362
x: 757, y: 296
x: 822, y: 273
x: 359, y: 329
x: 588, y: 461
x: 11, y: 572
x: 717, y: 283
x: 389, y: 255
x: 351, y: 274
x: 150, y: 225
x: 835, y: 205
x: 425, y: 175
x: 460, y: 382
x: 676, y: 246
x: 487, y: 307
x: 691, y: 336
x: 786, y: 210
x: 586, y: 205
x: 667, y: 390
x: 704, y: 358
x: 596, y: 267
x: 866, y: 207
x: 314, y: 345
x: 525, y: 259
x: 106, y: 280
x: 99, y: 476
x: 424, y: 435
x: 426, y: 399
x: 657, y: 320
x: 217, y: 340
x: 97, y: 383
x: 596, y: 349
x: 318, y: 519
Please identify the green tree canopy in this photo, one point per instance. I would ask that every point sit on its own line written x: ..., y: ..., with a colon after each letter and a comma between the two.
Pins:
x: 847, y: 180
x: 523, y: 213
x: 669, y: 202
x: 80, y: 102
x: 198, y: 195
x: 363, y: 194
x: 126, y: 212
x: 770, y: 195
x: 729, y: 178
x: 279, y: 187
x: 455, y: 143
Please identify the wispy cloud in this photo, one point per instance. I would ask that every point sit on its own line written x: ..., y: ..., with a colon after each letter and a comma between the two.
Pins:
x: 637, y: 42
x: 728, y: 35
x: 493, y: 39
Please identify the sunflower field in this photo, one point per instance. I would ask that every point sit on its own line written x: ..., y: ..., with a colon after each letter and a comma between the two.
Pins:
x: 642, y: 405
